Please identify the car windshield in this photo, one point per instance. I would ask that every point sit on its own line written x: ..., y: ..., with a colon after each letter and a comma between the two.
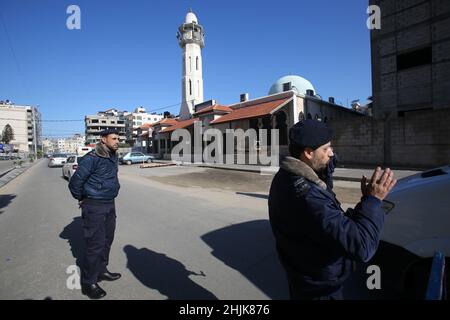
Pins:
x: 59, y: 155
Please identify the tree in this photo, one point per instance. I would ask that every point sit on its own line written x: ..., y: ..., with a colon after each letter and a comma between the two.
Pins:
x: 8, y: 134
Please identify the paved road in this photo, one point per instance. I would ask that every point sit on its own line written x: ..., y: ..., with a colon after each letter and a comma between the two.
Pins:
x: 171, y: 242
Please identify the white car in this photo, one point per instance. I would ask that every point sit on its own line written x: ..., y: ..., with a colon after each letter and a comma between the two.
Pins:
x: 57, y: 160
x: 70, y: 166
x: 417, y: 224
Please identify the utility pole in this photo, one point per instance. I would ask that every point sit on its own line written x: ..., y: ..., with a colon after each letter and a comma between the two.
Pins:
x: 34, y: 129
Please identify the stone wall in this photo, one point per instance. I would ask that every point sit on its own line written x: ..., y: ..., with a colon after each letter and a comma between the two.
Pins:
x: 420, y: 139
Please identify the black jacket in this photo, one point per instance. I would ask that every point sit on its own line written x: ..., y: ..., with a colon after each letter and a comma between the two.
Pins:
x: 315, y: 239
x: 96, y: 176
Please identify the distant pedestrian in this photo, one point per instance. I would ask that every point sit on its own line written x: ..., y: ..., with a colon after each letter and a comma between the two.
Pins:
x: 95, y: 185
x: 316, y: 240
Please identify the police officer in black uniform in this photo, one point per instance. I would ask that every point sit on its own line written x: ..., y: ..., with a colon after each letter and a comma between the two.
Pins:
x: 95, y: 185
x: 316, y: 240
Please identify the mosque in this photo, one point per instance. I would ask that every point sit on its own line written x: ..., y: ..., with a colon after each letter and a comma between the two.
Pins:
x: 290, y: 99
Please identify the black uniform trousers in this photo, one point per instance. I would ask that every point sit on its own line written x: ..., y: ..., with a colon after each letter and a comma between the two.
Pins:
x: 99, y: 224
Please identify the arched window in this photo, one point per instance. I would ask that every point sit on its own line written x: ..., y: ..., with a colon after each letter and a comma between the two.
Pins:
x: 301, y: 116
x: 316, y: 117
x: 325, y: 119
x: 309, y: 116
x: 190, y: 87
x: 190, y: 64
x: 196, y: 63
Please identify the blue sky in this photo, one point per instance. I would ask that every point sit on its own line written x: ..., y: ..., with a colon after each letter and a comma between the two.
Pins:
x: 126, y: 53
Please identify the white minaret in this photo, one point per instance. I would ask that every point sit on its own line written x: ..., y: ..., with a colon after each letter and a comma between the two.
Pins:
x: 191, y: 39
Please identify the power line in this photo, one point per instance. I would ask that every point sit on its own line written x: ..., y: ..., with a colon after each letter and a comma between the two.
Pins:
x: 76, y: 120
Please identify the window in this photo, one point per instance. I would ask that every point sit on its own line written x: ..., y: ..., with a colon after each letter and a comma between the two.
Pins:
x: 196, y: 63
x: 94, y: 121
x: 190, y: 66
x: 139, y: 118
x: 414, y: 58
x: 190, y: 87
x: 103, y: 121
x: 113, y: 122
x: 287, y: 86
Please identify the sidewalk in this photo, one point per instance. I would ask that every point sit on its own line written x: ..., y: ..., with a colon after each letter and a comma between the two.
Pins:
x: 11, y: 173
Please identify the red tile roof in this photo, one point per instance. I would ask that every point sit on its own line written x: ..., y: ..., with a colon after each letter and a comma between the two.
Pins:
x: 169, y: 121
x: 216, y: 107
x: 253, y: 111
x: 180, y: 125
x: 146, y: 126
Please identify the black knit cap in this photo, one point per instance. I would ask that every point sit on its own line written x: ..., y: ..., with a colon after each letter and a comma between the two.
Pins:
x: 106, y: 132
x: 310, y: 133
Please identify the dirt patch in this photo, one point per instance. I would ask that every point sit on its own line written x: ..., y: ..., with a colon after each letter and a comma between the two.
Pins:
x: 240, y: 181
x: 220, y: 179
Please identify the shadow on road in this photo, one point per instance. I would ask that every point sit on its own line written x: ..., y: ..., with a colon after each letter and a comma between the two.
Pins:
x: 5, y: 200
x: 73, y: 233
x: 169, y: 276
x: 256, y: 195
x: 249, y: 248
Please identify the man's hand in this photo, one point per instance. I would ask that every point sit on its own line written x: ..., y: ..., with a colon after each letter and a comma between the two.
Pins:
x: 379, y: 185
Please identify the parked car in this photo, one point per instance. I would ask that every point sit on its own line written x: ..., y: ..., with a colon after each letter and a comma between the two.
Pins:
x: 135, y: 157
x: 417, y: 225
x: 57, y: 160
x: 70, y: 166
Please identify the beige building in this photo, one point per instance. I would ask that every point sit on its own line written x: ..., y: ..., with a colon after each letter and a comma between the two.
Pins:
x: 109, y: 119
x: 49, y: 145
x: 26, y: 124
x: 70, y: 145
x: 134, y: 120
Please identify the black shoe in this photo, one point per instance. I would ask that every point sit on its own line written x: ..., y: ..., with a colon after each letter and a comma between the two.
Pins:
x: 93, y: 291
x: 108, y: 276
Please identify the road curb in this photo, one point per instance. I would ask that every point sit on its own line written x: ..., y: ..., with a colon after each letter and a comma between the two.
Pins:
x: 13, y: 173
x: 335, y: 177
